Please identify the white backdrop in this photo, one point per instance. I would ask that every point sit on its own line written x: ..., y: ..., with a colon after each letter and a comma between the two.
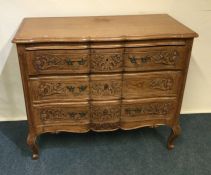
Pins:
x: 196, y: 14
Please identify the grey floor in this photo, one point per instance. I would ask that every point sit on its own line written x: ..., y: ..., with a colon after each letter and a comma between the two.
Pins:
x: 137, y: 152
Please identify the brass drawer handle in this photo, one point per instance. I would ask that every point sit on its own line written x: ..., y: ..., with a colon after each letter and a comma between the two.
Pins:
x: 144, y: 59
x: 74, y: 90
x: 133, y: 60
x: 69, y: 61
x: 82, y: 61
x: 162, y: 57
x: 82, y: 88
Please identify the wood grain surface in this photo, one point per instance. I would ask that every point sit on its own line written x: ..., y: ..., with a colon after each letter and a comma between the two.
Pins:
x: 101, y: 28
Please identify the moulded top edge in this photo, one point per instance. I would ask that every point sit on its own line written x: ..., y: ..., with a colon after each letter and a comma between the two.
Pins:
x: 101, y: 28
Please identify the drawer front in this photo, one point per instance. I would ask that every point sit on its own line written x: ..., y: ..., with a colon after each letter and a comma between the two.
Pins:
x: 57, y: 61
x: 105, y: 115
x: 154, y: 84
x: 106, y: 87
x: 66, y: 113
x: 153, y: 58
x: 74, y: 88
x: 148, y: 109
x: 106, y: 60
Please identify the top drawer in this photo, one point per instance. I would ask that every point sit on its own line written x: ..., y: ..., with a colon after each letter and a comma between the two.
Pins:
x: 57, y: 61
x: 155, y: 58
x: 106, y: 59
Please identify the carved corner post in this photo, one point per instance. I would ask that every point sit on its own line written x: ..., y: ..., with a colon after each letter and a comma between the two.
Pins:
x: 31, y: 139
x: 176, y: 129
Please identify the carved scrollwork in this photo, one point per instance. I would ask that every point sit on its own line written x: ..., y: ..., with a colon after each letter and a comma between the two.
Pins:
x: 105, y: 126
x: 105, y: 113
x: 54, y: 88
x: 109, y: 88
x: 162, y: 83
x: 48, y: 62
x: 48, y: 89
x: 59, y: 115
x: 148, y: 109
x: 163, y: 57
x: 106, y: 62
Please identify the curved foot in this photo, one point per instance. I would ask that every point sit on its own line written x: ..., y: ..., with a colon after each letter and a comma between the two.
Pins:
x: 31, y: 141
x: 176, y: 131
x: 35, y: 156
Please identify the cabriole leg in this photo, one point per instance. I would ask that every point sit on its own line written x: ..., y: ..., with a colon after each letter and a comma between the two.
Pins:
x: 176, y: 131
x: 31, y: 141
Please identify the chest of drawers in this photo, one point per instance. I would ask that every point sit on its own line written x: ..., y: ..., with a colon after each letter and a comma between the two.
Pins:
x: 103, y: 73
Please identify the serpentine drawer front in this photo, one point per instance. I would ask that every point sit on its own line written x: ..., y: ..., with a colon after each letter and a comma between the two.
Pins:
x: 57, y: 61
x: 155, y: 58
x: 103, y: 73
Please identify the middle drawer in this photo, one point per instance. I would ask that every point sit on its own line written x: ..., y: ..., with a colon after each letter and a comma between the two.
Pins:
x: 105, y: 87
x: 151, y: 84
x: 59, y: 88
x: 75, y: 88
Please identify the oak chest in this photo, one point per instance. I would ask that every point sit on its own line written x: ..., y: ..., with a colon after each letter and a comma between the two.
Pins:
x: 103, y: 73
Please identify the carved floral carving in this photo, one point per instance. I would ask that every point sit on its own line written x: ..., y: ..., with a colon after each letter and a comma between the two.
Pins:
x: 163, y: 57
x: 162, y: 83
x: 105, y: 126
x: 105, y: 117
x: 105, y: 113
x: 109, y: 88
x: 148, y: 109
x: 54, y: 88
x: 60, y: 114
x: 106, y: 62
x: 48, y: 62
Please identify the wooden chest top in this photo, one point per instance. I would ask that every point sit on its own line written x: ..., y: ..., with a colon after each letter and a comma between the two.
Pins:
x: 101, y: 28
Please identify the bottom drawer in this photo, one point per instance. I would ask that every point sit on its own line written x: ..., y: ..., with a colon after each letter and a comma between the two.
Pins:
x: 77, y: 116
x: 102, y: 115
x: 62, y: 113
x: 148, y: 109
